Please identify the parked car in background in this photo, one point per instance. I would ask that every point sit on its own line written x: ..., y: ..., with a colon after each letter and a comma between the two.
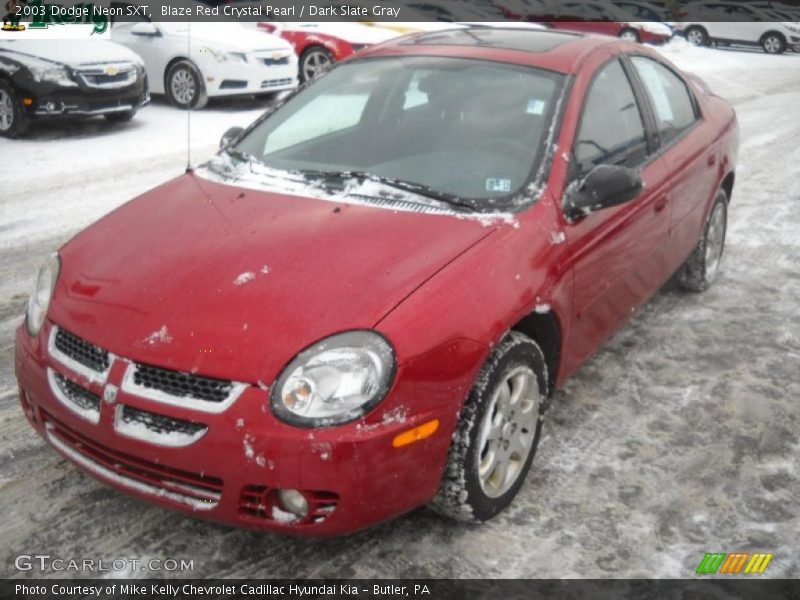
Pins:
x: 40, y: 79
x: 365, y: 301
x: 646, y: 11
x: 737, y: 24
x: 320, y: 45
x: 595, y: 16
x: 192, y: 62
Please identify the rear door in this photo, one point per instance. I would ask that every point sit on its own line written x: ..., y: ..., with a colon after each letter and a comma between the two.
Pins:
x: 618, y: 260
x: 688, y: 151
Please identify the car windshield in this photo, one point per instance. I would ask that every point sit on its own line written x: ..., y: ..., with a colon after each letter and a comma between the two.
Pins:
x: 463, y: 129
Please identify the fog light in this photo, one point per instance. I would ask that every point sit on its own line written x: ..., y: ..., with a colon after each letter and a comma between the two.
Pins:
x: 294, y: 502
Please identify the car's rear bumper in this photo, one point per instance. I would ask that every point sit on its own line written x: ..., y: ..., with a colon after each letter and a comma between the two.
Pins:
x: 351, y: 475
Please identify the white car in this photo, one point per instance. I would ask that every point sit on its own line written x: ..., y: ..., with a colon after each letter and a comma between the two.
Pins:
x: 737, y: 23
x: 191, y: 62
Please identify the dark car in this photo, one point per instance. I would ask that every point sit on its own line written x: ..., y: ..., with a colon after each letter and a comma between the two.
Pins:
x: 67, y: 79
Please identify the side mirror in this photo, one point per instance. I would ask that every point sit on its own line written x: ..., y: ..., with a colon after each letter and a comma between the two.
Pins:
x: 145, y: 29
x: 230, y: 136
x: 603, y: 187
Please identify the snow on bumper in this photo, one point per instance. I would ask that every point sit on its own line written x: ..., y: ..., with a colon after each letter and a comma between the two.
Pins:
x: 260, y: 74
x: 352, y: 476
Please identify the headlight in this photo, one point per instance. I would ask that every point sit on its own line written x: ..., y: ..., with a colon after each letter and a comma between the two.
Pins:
x: 335, y: 381
x: 52, y: 74
x: 41, y: 295
x: 227, y: 56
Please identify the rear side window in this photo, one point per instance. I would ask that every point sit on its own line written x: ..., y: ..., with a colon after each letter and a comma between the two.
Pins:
x: 671, y: 100
x: 612, y: 130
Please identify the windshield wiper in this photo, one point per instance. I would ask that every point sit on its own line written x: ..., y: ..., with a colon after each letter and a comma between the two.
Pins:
x: 407, y: 186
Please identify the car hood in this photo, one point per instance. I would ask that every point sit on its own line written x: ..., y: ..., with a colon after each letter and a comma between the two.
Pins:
x: 231, y: 282
x: 228, y: 37
x: 70, y: 52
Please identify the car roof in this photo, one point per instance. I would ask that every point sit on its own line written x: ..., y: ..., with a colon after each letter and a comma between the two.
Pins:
x: 548, y: 49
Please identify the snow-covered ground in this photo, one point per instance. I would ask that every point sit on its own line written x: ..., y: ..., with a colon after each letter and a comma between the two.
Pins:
x: 680, y: 437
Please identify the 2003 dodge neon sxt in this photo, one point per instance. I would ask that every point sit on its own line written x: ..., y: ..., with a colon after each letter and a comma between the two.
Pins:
x: 363, y: 303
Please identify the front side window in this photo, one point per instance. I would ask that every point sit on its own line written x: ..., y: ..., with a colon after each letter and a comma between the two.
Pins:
x: 470, y: 129
x: 612, y: 130
x: 669, y: 96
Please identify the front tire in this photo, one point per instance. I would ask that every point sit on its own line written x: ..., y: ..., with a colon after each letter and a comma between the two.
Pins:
x: 773, y: 43
x: 702, y: 267
x: 184, y: 86
x: 697, y: 36
x: 629, y: 35
x: 13, y: 120
x: 497, y: 434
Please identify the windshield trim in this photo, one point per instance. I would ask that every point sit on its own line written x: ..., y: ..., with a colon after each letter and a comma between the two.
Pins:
x: 531, y: 188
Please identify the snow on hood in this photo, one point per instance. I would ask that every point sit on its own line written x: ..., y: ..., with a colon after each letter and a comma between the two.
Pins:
x: 237, y: 280
x: 227, y: 37
x: 68, y: 52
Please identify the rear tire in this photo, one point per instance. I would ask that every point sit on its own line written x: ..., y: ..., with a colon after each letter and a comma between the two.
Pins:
x: 773, y: 43
x: 702, y: 267
x: 630, y: 35
x: 13, y: 120
x: 314, y: 61
x: 697, y: 36
x: 184, y: 86
x: 495, y: 440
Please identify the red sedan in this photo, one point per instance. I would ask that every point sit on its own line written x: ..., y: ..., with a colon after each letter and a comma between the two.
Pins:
x: 364, y: 302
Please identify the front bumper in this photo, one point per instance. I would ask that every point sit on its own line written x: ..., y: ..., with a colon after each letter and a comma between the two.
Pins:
x: 236, y: 79
x: 82, y: 101
x: 351, y: 475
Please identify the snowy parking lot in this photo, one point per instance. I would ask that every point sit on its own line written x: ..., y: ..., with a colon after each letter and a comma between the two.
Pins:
x: 680, y: 437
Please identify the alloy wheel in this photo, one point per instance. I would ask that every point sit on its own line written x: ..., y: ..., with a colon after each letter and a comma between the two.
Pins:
x: 629, y: 36
x: 316, y: 61
x: 772, y: 45
x: 507, y: 432
x: 695, y: 37
x: 183, y: 87
x: 6, y: 111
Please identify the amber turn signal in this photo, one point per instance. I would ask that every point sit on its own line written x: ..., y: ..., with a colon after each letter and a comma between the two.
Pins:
x: 418, y: 433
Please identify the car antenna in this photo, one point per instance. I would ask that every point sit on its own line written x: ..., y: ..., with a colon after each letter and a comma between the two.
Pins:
x: 188, y: 106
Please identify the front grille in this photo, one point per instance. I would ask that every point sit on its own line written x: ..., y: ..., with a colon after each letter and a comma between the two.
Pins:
x: 81, y: 397
x: 182, y: 385
x: 276, y: 62
x: 81, y: 351
x: 160, y: 424
x: 108, y: 77
x: 268, y: 83
x: 259, y: 502
x: 199, y: 491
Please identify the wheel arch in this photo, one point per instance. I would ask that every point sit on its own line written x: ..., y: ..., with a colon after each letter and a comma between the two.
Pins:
x: 727, y: 185
x: 545, y: 330
x: 773, y: 32
x: 173, y: 61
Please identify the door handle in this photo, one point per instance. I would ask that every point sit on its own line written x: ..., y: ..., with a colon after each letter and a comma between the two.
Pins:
x: 660, y: 204
x: 711, y: 160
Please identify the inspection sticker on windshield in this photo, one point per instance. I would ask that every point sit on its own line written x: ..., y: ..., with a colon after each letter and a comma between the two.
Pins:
x: 535, y: 107
x: 498, y: 184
